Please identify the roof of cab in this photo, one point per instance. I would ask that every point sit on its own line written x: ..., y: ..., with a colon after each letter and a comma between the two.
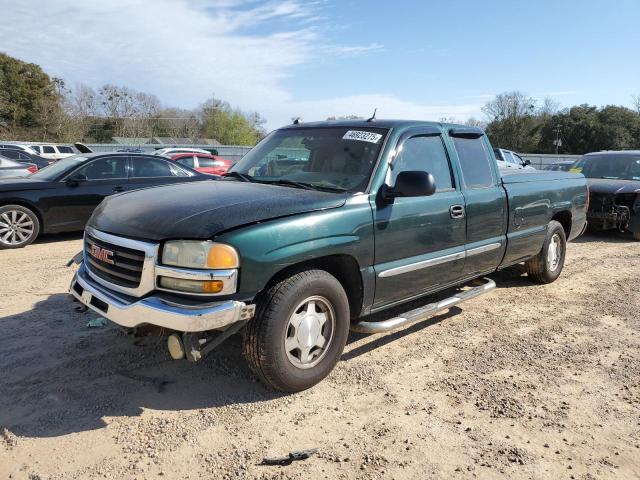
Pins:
x: 380, y: 123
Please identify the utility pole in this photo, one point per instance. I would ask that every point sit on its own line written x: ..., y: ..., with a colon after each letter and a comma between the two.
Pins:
x: 558, y: 141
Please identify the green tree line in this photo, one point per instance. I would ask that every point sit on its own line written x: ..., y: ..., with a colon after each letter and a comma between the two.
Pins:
x: 521, y: 123
x: 37, y: 107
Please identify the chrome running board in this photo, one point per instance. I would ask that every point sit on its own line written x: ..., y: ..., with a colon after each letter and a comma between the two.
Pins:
x: 422, y: 313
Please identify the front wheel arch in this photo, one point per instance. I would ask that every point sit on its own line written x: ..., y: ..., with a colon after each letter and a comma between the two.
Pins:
x: 345, y: 268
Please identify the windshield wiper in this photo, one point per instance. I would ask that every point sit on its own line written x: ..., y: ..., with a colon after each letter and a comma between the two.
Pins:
x: 305, y: 185
x: 242, y: 176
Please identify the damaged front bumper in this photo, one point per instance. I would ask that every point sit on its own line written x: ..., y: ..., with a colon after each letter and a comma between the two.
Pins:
x: 132, y: 312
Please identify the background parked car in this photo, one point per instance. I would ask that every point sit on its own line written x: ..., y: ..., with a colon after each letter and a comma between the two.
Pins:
x: 63, y: 196
x: 508, y: 160
x: 614, y: 185
x: 53, y: 152
x: 167, y: 152
x: 563, y: 166
x: 204, y: 163
x: 23, y: 156
x: 19, y: 146
x: 10, y: 168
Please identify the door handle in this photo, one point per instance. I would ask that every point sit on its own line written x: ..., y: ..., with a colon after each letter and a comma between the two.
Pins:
x: 456, y: 211
x: 118, y: 188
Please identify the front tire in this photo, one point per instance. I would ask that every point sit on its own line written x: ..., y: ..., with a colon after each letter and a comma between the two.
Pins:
x: 547, y: 265
x: 636, y: 236
x: 299, y: 331
x: 19, y: 226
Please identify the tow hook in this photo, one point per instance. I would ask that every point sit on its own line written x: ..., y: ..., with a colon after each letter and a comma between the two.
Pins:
x: 194, y: 346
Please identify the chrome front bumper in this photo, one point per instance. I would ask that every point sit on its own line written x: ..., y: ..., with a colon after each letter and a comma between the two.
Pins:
x: 132, y: 312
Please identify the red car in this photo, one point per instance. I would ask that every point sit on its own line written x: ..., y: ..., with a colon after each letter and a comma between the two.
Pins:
x: 204, y: 163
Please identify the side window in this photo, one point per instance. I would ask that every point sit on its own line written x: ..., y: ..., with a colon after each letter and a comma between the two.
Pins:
x: 104, y: 169
x: 48, y: 149
x: 188, y: 161
x: 63, y: 149
x: 151, y: 167
x: 508, y: 156
x: 13, y: 154
x: 474, y: 162
x: 36, y: 148
x: 425, y: 154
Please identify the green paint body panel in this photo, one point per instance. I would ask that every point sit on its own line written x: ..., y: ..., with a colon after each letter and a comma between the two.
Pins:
x: 508, y: 220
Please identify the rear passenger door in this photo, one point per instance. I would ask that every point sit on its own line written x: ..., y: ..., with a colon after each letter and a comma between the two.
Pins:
x: 485, y: 199
x: 150, y: 171
x: 419, y: 241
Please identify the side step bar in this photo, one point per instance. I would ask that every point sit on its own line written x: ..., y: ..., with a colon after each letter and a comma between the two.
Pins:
x: 422, y: 313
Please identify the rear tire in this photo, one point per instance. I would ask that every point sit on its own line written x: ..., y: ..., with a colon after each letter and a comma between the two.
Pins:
x: 547, y: 265
x: 636, y: 236
x: 19, y: 226
x: 299, y: 331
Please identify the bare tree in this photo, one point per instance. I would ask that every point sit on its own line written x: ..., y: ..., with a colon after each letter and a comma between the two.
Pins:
x: 511, y: 121
x: 636, y: 102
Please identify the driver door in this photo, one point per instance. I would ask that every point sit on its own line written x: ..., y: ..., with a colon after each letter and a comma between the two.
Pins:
x: 419, y: 241
x: 77, y: 199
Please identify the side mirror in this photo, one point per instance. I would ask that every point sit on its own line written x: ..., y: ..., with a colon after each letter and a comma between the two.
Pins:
x: 526, y: 163
x: 411, y: 184
x: 74, y: 180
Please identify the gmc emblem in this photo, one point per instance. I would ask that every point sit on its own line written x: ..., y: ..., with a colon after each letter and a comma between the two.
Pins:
x: 101, y: 254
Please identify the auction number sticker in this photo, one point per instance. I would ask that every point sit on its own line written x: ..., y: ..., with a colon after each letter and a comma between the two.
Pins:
x: 361, y: 136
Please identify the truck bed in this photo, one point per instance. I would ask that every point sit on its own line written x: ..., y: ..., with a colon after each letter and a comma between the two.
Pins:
x: 534, y: 199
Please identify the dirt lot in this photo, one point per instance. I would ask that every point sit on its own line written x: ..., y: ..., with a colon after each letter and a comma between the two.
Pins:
x: 528, y: 382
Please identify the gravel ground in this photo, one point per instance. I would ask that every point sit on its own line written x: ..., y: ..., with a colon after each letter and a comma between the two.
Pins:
x: 527, y: 382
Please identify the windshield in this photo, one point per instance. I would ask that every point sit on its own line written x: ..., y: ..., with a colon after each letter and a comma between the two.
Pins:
x: 622, y: 167
x: 333, y: 158
x: 59, y: 168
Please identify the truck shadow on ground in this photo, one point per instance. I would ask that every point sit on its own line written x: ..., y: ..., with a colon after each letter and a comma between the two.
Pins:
x: 60, y: 377
x: 59, y: 237
x: 609, y: 236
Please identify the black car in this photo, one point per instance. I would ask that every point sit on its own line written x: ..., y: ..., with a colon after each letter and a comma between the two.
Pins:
x: 18, y: 155
x: 61, y: 197
x: 614, y: 183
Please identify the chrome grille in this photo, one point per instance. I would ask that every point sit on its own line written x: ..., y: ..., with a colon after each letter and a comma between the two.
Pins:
x: 127, y: 266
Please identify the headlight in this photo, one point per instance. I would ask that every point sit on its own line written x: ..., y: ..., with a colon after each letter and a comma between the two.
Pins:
x: 199, y: 254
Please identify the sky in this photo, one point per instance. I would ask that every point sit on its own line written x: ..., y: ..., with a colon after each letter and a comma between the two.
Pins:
x: 417, y: 59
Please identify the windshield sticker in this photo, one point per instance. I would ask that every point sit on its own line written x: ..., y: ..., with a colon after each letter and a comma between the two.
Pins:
x: 362, y: 136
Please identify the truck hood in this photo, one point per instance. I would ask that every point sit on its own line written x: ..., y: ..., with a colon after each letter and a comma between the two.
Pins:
x: 22, y: 183
x: 612, y: 186
x: 202, y: 210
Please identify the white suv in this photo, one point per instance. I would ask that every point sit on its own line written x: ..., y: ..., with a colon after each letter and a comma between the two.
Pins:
x: 508, y: 160
x: 53, y: 152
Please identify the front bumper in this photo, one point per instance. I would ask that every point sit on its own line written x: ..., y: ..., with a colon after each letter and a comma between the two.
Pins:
x: 152, y: 310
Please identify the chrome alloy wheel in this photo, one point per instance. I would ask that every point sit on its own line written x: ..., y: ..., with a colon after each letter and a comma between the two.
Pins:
x: 16, y: 227
x: 309, y: 332
x: 554, y: 252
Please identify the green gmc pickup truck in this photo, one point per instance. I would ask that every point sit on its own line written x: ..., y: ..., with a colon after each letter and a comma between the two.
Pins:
x: 317, y: 227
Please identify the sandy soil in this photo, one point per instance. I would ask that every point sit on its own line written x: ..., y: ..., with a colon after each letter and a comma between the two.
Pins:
x: 528, y: 382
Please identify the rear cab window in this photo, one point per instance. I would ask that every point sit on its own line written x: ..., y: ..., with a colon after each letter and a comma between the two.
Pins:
x: 475, y: 164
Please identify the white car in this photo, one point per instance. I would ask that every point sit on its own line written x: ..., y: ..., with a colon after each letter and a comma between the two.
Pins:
x: 508, y: 160
x: 20, y: 146
x: 166, y: 152
x: 53, y: 152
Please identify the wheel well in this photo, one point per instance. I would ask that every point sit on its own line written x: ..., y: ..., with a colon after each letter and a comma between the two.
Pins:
x: 564, y: 218
x: 344, y: 267
x: 26, y: 205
